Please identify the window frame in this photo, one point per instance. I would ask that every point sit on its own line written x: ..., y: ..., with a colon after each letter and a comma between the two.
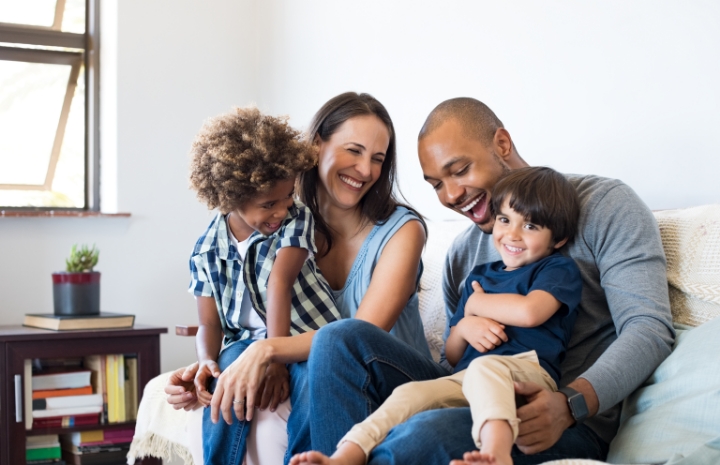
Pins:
x: 89, y: 43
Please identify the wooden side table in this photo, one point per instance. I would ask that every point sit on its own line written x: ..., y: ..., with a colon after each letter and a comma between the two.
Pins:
x: 18, y: 343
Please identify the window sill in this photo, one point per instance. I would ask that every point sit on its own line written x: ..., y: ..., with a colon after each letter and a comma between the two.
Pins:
x: 59, y: 214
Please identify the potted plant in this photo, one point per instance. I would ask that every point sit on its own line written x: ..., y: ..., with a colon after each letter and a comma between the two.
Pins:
x: 76, y: 291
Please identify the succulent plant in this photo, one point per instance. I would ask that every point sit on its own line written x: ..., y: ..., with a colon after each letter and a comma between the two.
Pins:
x: 82, y: 259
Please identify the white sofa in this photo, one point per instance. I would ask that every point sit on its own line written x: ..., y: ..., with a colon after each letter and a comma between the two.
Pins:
x: 674, y: 418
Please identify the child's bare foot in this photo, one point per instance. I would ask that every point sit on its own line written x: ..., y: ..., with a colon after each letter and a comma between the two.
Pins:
x: 478, y: 458
x: 310, y: 458
x: 348, y: 453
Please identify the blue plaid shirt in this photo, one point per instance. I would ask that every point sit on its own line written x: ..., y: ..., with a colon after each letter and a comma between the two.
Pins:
x: 216, y: 267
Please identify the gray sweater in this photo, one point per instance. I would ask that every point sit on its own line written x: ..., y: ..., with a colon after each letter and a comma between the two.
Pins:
x: 624, y: 326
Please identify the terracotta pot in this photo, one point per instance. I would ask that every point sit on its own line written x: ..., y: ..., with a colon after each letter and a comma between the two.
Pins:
x: 76, y: 293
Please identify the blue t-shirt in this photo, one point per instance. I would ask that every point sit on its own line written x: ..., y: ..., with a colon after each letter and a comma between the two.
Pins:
x: 555, y: 274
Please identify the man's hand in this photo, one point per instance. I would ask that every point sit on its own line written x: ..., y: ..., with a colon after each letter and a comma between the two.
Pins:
x: 543, y: 419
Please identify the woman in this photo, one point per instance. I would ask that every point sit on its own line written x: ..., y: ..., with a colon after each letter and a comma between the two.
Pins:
x: 369, y: 251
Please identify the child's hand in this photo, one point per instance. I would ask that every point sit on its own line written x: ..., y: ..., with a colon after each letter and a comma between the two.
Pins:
x: 206, y: 370
x: 474, y: 303
x: 482, y: 333
x: 275, y: 388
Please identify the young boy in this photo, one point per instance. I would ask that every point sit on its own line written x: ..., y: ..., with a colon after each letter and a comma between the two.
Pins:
x: 513, y: 323
x: 253, y: 270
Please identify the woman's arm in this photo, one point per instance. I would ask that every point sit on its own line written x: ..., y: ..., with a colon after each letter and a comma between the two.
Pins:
x: 394, y: 279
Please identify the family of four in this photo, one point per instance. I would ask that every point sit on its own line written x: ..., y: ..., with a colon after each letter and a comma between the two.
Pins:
x: 311, y: 349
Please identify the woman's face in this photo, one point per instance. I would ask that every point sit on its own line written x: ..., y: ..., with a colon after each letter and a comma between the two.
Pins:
x: 350, y: 162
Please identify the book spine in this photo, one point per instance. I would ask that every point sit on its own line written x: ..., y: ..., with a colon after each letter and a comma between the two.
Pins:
x: 122, y: 412
x: 66, y: 421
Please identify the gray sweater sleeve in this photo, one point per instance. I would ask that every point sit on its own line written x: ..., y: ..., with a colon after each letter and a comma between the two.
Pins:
x: 625, y: 241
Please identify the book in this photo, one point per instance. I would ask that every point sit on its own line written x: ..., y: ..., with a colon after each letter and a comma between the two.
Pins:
x: 131, y: 388
x: 66, y: 412
x: 84, y: 437
x: 96, y: 363
x: 104, y: 320
x: 51, y: 403
x: 43, y: 453
x: 97, y: 458
x: 62, y: 392
x: 60, y: 380
x: 27, y: 393
x: 66, y: 421
x: 110, y: 374
x: 120, y: 367
x: 44, y: 440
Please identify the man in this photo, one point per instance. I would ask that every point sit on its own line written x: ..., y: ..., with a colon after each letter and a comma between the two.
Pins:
x: 623, y: 330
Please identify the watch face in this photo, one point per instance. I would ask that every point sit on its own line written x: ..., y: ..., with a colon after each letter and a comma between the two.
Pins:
x: 578, y: 406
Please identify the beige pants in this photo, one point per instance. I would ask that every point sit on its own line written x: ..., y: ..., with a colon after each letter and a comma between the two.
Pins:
x: 486, y: 386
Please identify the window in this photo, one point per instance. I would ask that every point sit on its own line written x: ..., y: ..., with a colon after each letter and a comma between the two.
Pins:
x: 48, y: 104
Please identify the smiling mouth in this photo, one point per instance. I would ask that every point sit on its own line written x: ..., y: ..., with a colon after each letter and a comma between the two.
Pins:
x: 273, y: 226
x: 469, y: 206
x: 351, y: 182
x: 511, y: 249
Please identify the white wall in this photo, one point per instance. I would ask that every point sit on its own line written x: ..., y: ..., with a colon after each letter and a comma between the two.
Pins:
x: 622, y: 89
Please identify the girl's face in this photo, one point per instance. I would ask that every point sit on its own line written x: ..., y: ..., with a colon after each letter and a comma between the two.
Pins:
x: 350, y: 162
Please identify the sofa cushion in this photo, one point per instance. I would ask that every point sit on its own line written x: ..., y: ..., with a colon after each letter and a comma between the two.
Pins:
x: 676, y: 411
x: 432, y: 306
x: 691, y: 239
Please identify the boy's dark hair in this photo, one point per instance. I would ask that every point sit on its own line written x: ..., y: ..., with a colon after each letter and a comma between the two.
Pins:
x: 543, y: 196
x: 243, y: 152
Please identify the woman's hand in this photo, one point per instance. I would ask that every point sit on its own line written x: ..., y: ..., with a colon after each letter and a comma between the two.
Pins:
x: 275, y: 388
x: 206, y: 370
x: 482, y: 333
x: 238, y: 385
x: 181, y: 389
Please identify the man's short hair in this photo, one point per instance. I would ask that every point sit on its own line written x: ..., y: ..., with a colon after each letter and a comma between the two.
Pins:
x: 543, y: 196
x: 477, y: 119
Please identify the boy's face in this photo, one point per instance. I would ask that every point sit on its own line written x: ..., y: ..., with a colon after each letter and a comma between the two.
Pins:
x: 519, y: 241
x: 264, y: 212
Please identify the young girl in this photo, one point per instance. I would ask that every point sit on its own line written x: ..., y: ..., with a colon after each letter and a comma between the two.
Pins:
x: 253, y: 270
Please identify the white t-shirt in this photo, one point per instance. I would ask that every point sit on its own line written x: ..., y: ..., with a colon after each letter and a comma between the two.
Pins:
x: 249, y: 318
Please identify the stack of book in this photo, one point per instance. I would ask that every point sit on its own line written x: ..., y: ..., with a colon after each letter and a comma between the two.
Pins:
x: 114, y: 377
x: 96, y: 447
x: 64, y: 398
x: 43, y: 450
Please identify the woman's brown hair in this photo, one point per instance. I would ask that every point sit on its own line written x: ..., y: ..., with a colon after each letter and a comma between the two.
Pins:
x: 380, y: 202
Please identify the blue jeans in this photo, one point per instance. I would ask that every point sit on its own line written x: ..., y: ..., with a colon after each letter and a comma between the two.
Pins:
x: 354, y: 366
x: 298, y: 425
x: 223, y: 443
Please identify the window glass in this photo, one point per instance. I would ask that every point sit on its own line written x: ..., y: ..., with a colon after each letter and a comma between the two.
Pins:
x: 29, y: 12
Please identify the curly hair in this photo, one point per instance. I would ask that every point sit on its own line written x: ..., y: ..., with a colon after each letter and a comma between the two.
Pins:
x: 243, y: 152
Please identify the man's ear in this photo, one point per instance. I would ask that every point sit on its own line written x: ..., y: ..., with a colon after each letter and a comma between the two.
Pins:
x: 503, y: 144
x: 560, y: 244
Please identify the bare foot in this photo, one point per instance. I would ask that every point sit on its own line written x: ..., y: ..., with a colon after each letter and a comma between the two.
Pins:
x: 348, y: 454
x: 310, y: 458
x: 478, y: 458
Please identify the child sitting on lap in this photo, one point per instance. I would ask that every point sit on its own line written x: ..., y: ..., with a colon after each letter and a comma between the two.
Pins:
x: 253, y: 270
x: 513, y: 323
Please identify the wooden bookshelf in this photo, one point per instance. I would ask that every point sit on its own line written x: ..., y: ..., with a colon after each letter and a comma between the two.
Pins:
x: 18, y: 343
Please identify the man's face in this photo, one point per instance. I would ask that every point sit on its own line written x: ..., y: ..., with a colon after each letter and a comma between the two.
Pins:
x: 462, y: 171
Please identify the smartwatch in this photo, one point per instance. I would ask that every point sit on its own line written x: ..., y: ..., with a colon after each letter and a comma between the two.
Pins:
x: 576, y: 402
